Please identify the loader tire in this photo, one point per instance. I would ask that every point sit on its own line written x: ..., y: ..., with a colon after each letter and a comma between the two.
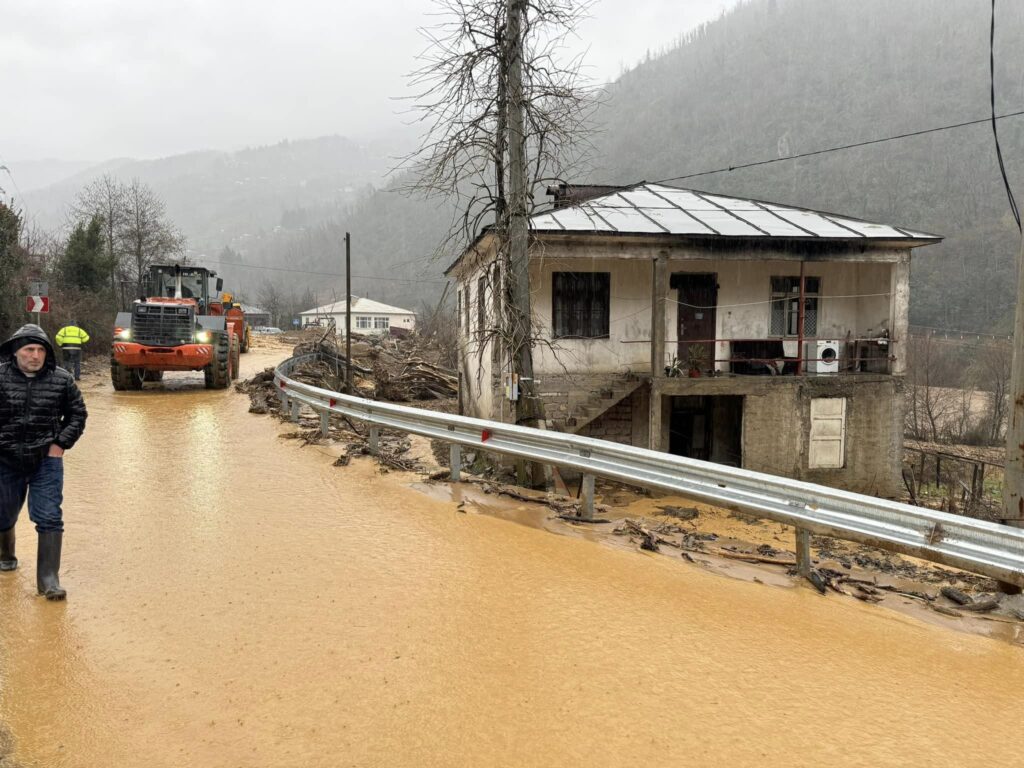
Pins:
x: 153, y: 376
x: 217, y: 374
x: 245, y: 339
x: 235, y: 361
x: 123, y: 378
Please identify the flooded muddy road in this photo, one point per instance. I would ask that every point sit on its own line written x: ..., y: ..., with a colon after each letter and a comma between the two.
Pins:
x: 235, y: 600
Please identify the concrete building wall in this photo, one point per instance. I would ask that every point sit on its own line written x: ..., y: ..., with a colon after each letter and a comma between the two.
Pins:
x: 628, y: 345
x: 854, y: 302
x: 854, y: 299
x: 776, y: 430
x: 858, y: 298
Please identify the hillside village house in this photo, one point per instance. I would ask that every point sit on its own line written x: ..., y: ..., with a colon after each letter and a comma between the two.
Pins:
x: 723, y: 329
x: 369, y: 317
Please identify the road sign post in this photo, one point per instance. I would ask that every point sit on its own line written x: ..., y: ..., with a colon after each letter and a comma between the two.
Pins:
x: 37, y: 304
x: 38, y: 299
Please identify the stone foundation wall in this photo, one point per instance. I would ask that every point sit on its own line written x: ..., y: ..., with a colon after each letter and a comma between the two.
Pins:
x: 616, y: 425
x: 776, y: 430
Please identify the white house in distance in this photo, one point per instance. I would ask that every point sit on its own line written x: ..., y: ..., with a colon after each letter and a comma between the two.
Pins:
x: 369, y: 317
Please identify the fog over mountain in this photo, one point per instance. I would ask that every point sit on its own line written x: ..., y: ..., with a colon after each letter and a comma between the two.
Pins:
x: 769, y: 79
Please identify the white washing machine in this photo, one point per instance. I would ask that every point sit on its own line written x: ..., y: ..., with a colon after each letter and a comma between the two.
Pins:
x: 822, y: 357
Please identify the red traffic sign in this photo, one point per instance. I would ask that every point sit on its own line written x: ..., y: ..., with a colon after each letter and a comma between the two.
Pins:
x: 37, y: 304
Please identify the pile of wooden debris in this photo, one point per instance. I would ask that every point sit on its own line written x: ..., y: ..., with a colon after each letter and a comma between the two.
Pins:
x: 390, y: 369
x: 394, y: 369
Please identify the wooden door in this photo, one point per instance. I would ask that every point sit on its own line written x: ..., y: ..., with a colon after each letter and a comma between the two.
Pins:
x: 697, y: 294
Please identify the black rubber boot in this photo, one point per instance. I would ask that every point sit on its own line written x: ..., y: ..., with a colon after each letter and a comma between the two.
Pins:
x: 8, y: 562
x: 48, y: 566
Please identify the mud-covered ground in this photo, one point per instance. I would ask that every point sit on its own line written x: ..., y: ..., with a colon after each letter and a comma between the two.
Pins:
x: 732, y: 544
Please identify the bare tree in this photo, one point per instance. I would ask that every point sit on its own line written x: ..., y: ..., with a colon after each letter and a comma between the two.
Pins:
x: 146, y: 236
x: 930, y: 406
x: 505, y: 114
x: 272, y: 300
x: 991, y: 371
x: 463, y: 103
x: 107, y: 198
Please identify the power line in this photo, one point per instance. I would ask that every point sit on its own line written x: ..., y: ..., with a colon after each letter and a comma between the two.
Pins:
x: 842, y: 147
x: 322, y: 274
x: 992, y: 96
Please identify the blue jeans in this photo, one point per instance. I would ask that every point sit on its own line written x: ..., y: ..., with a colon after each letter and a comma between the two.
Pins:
x: 45, y: 490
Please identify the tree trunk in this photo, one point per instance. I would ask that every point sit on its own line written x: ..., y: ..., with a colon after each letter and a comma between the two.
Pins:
x: 529, y: 411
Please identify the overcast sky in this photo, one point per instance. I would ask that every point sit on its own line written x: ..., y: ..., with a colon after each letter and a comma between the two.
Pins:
x: 95, y: 79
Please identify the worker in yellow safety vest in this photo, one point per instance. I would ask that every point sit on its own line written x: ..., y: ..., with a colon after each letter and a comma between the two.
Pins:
x: 70, y: 339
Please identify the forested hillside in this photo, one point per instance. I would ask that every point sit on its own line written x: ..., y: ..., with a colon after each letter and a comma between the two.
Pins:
x: 770, y: 79
x: 783, y: 77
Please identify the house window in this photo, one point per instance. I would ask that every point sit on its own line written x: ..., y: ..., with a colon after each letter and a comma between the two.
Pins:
x: 580, y: 304
x: 481, y: 304
x: 465, y: 307
x: 496, y: 290
x: 785, y: 305
x: 381, y: 323
x: 362, y: 322
x: 828, y: 433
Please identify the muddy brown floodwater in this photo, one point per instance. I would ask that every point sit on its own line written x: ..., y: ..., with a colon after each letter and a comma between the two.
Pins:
x: 235, y: 600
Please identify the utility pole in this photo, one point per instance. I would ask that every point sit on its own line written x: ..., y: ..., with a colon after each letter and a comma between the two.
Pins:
x: 348, y: 314
x: 1013, y: 475
x: 528, y: 408
x: 522, y: 352
x: 1013, y: 483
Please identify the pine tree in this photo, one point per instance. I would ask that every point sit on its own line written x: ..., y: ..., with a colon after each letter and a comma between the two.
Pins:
x: 85, y: 263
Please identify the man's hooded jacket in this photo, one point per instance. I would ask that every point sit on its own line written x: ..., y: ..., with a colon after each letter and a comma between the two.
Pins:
x: 36, y: 411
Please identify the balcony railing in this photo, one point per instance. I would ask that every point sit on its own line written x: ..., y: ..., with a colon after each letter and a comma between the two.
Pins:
x: 780, y: 356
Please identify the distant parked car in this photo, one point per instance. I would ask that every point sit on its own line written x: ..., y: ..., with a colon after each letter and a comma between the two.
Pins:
x: 267, y: 330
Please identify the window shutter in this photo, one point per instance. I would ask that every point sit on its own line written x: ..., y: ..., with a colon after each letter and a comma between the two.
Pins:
x: 828, y: 433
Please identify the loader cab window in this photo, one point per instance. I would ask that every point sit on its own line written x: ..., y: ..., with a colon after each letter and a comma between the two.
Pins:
x: 193, y: 284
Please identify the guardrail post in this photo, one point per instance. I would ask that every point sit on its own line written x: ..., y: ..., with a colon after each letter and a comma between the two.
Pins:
x: 803, y: 552
x: 325, y: 423
x: 455, y: 462
x: 587, y: 498
x: 296, y: 405
x: 374, y: 441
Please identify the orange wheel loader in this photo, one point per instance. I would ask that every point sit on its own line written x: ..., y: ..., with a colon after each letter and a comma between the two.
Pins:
x: 178, y: 327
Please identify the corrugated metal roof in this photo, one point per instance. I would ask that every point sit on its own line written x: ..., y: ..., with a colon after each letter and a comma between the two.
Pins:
x: 360, y: 305
x: 652, y: 209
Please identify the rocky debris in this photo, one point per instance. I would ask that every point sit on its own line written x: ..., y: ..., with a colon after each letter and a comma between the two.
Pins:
x: 680, y: 513
x: 954, y: 594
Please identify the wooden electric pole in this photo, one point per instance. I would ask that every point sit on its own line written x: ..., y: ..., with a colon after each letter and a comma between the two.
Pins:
x: 527, y: 411
x: 528, y: 408
x: 348, y: 314
x: 1013, y: 483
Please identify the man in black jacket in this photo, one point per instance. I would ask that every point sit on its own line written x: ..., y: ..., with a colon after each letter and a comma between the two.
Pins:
x: 42, y: 414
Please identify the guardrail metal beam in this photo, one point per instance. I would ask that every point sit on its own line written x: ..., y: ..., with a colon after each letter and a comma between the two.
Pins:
x: 974, y: 545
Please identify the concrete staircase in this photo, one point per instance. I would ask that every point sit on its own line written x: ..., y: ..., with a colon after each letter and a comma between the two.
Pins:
x: 587, y: 405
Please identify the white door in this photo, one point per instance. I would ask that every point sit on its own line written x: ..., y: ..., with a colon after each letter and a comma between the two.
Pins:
x: 828, y: 433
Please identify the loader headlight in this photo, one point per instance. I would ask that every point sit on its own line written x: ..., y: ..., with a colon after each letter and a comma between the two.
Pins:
x: 124, y: 333
x: 203, y: 337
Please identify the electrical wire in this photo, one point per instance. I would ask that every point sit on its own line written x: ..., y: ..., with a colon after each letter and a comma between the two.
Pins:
x: 322, y: 274
x: 995, y: 132
x: 841, y: 147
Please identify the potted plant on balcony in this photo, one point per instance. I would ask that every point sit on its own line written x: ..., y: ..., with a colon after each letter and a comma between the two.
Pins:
x: 696, y: 360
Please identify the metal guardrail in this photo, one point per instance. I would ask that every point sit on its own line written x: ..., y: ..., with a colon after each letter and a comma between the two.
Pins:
x: 973, y: 545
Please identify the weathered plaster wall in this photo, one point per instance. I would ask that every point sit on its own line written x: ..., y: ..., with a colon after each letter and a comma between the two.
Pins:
x: 744, y: 295
x: 629, y: 318
x: 776, y: 428
x: 854, y: 301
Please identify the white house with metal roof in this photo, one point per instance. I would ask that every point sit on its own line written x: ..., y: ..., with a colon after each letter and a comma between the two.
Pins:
x: 721, y: 328
x: 369, y: 317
